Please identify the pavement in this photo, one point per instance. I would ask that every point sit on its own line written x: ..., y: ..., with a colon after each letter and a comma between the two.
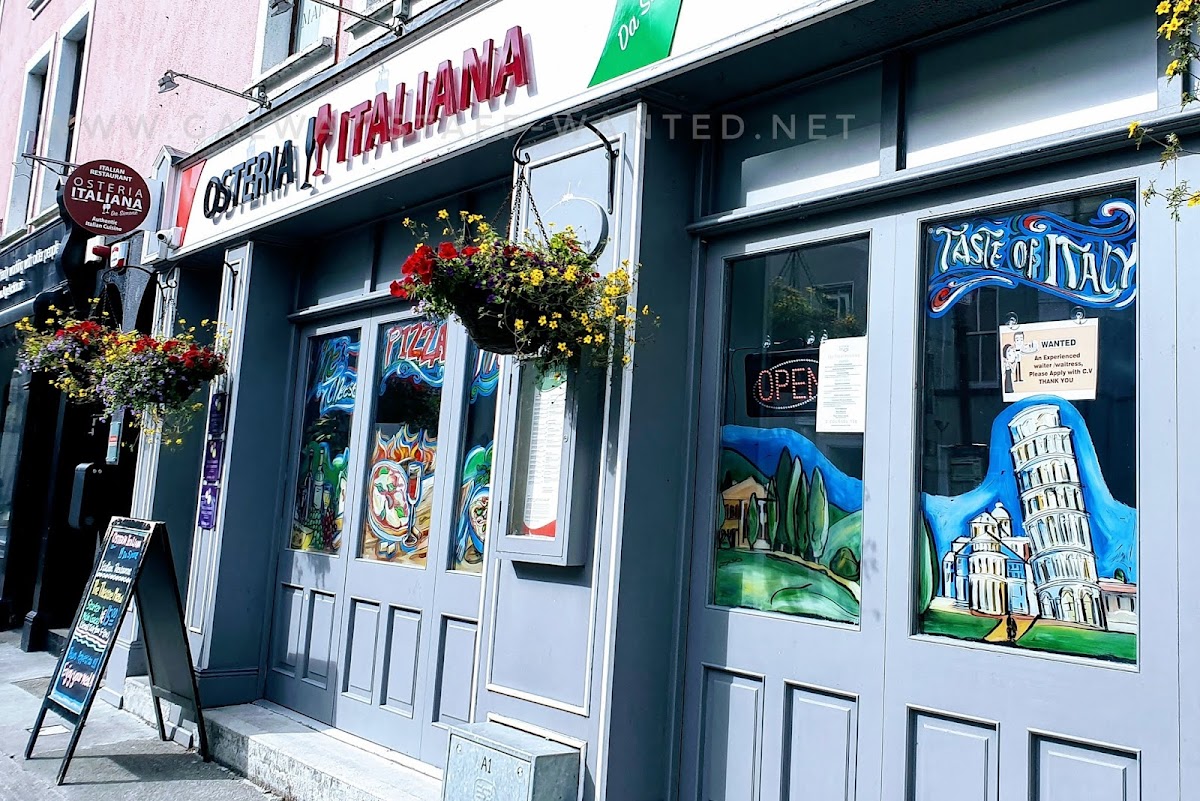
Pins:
x: 119, y: 757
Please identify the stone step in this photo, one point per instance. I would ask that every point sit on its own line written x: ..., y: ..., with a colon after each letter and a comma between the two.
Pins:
x: 296, y: 757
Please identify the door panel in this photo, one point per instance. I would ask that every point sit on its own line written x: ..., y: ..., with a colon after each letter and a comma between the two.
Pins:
x: 786, y: 555
x: 311, y: 574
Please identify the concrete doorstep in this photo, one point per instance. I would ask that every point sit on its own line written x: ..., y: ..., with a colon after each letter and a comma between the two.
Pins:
x: 296, y: 757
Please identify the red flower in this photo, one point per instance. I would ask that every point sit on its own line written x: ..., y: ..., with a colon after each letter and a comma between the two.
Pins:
x: 418, y: 268
x: 470, y: 251
x: 510, y: 251
x: 398, y: 290
x: 446, y: 250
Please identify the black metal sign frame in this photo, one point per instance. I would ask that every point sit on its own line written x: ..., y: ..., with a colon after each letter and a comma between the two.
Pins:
x: 168, y: 655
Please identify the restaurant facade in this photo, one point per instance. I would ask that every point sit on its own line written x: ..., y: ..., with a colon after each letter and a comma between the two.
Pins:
x: 887, y: 503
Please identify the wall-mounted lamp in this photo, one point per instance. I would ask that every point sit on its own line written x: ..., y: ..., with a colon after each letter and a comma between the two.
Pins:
x: 169, y: 83
x: 277, y: 7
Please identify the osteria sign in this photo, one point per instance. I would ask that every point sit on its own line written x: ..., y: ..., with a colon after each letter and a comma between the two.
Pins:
x: 507, y: 65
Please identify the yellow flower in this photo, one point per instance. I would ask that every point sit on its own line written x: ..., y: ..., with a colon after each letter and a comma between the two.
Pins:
x: 625, y: 359
x: 1173, y: 68
x: 570, y: 274
x: 646, y: 309
x: 1134, y: 127
x: 407, y: 222
x: 554, y: 272
x: 557, y: 315
x: 599, y: 338
x: 520, y: 325
x: 542, y: 320
x: 554, y: 323
x: 562, y: 346
x: 536, y: 276
x: 1194, y: 200
x: 484, y: 228
x: 587, y: 340
x: 204, y: 322
x: 178, y: 441
x: 1163, y: 8
x: 443, y: 215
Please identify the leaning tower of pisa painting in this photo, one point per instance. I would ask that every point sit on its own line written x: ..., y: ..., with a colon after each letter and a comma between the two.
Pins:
x: 1055, y: 518
x: 1040, y: 555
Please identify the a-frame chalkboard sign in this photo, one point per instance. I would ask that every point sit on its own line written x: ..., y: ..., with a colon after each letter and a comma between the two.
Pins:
x: 135, y: 562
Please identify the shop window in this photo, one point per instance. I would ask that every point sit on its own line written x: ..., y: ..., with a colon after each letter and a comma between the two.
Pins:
x: 65, y: 107
x: 1053, y: 439
x: 305, y: 25
x: 294, y: 41
x: 789, y: 532
x: 475, y: 488
x: 403, y: 441
x: 802, y: 141
x: 1074, y: 65
x: 319, y: 507
x: 29, y: 139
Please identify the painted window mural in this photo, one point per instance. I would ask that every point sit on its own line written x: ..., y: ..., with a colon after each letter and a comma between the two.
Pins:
x: 400, y: 478
x: 475, y: 489
x: 318, y: 512
x: 789, y: 523
x: 1028, y: 536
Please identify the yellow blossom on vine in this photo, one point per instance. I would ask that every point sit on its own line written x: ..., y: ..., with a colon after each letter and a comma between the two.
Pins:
x: 570, y: 274
x: 484, y: 228
x: 587, y: 340
x: 1194, y: 200
x: 536, y: 276
x: 1134, y: 127
x: 562, y: 346
x: 542, y: 320
x: 1174, y: 68
x: 554, y: 272
x: 519, y: 325
x: 1163, y: 8
x: 625, y: 359
x: 443, y: 215
x: 554, y: 323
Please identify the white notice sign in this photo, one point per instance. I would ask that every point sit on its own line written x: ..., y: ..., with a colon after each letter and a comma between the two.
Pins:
x: 1057, y: 358
x: 842, y: 386
x: 547, y: 422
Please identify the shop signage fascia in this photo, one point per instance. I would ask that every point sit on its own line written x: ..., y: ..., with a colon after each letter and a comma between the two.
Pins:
x: 560, y: 59
x: 31, y: 265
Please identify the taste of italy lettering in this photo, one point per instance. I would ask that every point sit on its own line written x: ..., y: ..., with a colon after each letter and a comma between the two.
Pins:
x: 1092, y: 264
x: 394, y: 119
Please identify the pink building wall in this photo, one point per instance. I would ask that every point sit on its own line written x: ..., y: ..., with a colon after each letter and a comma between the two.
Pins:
x: 130, y: 45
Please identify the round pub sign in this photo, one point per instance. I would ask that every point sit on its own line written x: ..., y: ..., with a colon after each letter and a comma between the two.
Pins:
x: 107, y: 198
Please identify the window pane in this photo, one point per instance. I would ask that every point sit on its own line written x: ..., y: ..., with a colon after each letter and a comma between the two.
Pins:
x: 789, y: 535
x: 408, y: 403
x: 318, y: 513
x: 821, y: 136
x: 307, y: 22
x: 475, y: 489
x: 1029, y: 534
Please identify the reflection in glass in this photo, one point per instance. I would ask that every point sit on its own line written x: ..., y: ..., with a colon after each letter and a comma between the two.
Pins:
x: 318, y: 511
x: 475, y: 489
x: 1028, y: 452
x: 789, y: 527
x: 541, y: 428
x: 400, y: 481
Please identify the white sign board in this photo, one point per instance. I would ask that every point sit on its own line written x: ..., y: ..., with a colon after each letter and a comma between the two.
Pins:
x: 1055, y: 358
x: 842, y: 386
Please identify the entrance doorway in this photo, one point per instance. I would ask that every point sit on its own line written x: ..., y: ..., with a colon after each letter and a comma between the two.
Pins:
x: 936, y: 586
x: 384, y: 525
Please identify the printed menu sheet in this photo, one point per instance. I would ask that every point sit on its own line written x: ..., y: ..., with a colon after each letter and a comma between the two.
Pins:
x: 842, y: 386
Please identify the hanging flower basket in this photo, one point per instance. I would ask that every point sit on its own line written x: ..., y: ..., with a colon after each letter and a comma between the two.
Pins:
x: 94, y: 364
x: 67, y: 354
x: 538, y: 300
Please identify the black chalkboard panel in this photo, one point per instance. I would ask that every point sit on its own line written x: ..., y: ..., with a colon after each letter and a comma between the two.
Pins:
x: 100, y: 615
x: 134, y: 562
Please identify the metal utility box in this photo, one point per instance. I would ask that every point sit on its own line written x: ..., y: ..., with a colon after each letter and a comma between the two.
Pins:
x: 491, y: 762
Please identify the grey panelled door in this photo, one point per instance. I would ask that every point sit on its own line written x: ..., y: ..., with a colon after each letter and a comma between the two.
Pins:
x: 979, y: 600
x: 411, y: 534
x: 302, y: 668
x: 785, y: 642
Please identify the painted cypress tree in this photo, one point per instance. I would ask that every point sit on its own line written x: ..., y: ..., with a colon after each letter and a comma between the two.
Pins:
x: 818, y: 516
x: 772, y: 514
x: 799, y: 509
x: 783, y: 500
x: 752, y: 521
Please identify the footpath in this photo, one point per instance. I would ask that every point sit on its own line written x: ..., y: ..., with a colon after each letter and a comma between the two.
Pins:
x: 119, y: 758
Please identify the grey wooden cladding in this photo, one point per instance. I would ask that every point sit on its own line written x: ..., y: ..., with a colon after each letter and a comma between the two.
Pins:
x: 1066, y: 771
x: 360, y: 656
x: 400, y: 671
x: 733, y: 713
x: 454, y: 671
x: 951, y: 759
x: 820, y: 746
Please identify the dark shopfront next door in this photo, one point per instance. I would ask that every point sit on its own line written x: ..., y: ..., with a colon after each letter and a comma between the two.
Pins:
x: 378, y: 586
